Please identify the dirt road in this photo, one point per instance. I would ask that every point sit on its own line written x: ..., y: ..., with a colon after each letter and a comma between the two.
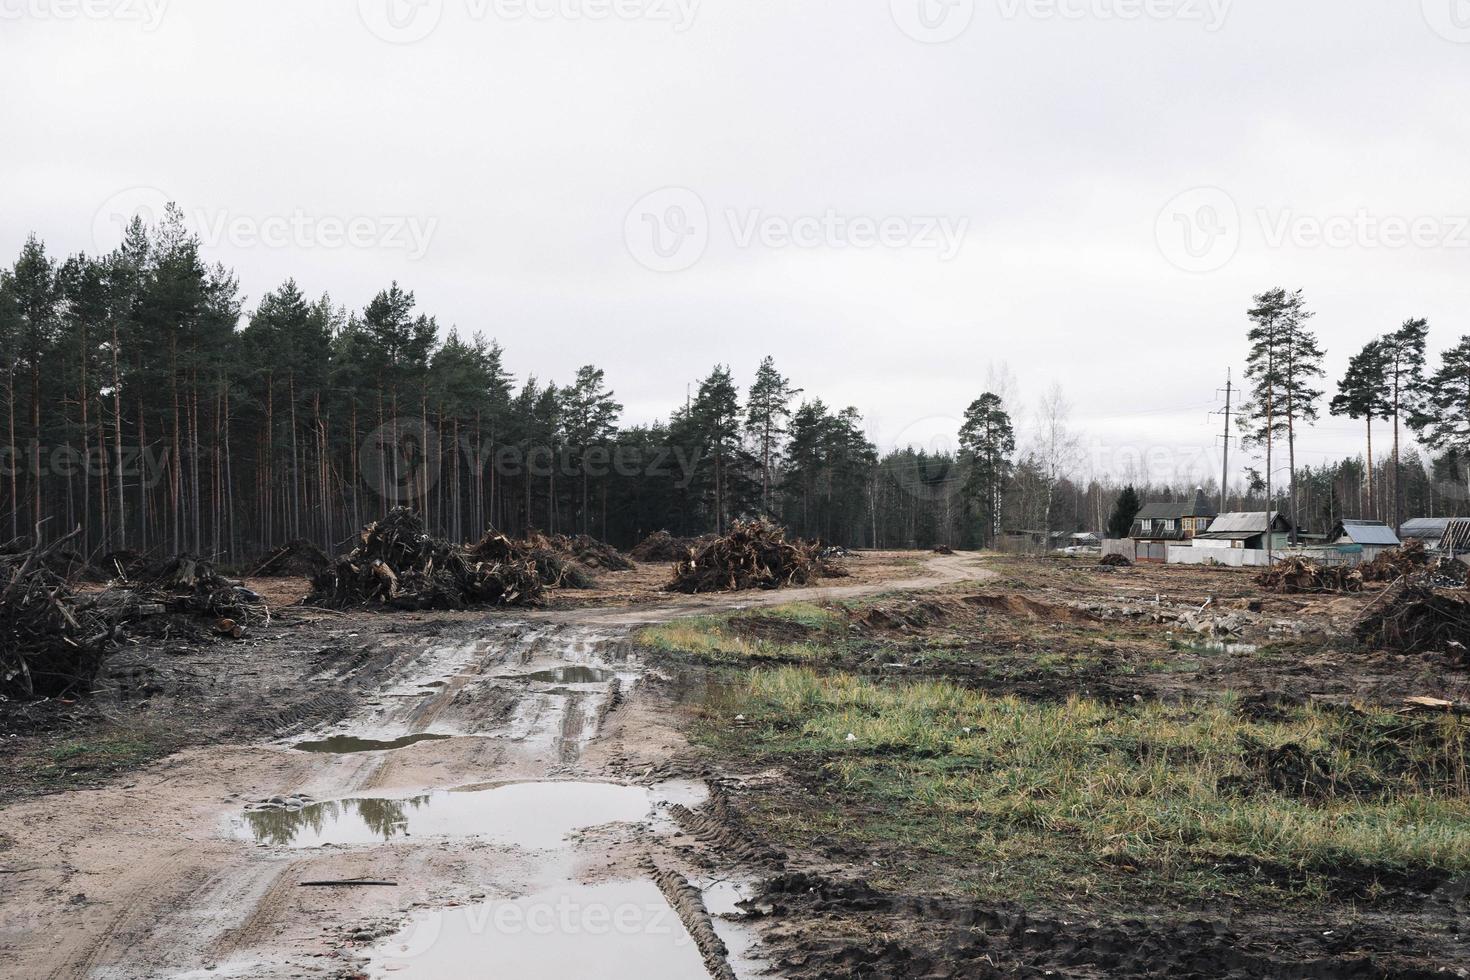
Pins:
x: 514, y: 795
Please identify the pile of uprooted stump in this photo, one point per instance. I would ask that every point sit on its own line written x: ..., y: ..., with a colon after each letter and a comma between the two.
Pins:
x: 583, y: 549
x: 54, y: 639
x: 661, y: 546
x: 397, y: 564
x: 296, y: 559
x: 1297, y: 575
x: 50, y: 643
x: 1412, y: 616
x: 754, y: 555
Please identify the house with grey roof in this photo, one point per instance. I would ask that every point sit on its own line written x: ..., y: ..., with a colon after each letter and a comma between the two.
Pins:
x: 1428, y: 531
x: 1252, y: 530
x: 1373, y: 537
x: 1160, y: 524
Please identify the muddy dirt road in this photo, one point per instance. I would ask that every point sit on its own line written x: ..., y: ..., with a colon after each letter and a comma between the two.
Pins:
x: 500, y: 799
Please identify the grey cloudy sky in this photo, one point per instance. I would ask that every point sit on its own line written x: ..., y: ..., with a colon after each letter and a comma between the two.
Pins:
x: 889, y: 195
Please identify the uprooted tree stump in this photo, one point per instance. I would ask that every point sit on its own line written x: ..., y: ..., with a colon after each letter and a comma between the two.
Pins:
x: 754, y: 555
x: 1414, y: 617
x: 296, y: 559
x: 663, y: 546
x: 397, y: 564
x: 51, y: 643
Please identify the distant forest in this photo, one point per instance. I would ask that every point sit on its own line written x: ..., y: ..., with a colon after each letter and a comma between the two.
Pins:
x: 144, y: 404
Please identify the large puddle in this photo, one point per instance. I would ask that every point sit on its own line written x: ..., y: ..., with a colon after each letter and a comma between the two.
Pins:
x: 609, y: 931
x: 570, y: 674
x: 530, y: 815
x: 349, y: 744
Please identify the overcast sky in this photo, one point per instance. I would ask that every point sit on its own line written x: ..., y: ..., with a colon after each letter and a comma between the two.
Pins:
x: 890, y: 196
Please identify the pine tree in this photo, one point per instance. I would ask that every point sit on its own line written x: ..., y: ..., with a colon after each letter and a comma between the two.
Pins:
x: 591, y: 414
x: 987, y: 439
x: 1284, y: 363
x: 1403, y: 356
x: 1120, y: 522
x: 1444, y: 418
x: 1360, y: 395
x: 767, y: 412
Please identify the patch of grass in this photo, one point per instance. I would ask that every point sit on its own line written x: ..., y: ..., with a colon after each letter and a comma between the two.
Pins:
x: 1082, y: 796
x: 723, y: 639
x: 83, y: 760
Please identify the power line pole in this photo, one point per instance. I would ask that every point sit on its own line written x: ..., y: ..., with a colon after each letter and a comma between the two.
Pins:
x: 1225, y: 470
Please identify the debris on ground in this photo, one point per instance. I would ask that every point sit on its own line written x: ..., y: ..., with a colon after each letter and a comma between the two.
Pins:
x: 399, y: 565
x: 1115, y: 561
x: 662, y: 546
x: 1301, y: 576
x: 583, y: 549
x: 1390, y: 566
x: 51, y: 644
x: 297, y: 559
x: 943, y: 549
x: 1413, y: 617
x: 754, y: 555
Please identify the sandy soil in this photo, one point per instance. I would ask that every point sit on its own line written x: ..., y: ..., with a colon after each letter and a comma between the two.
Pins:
x: 151, y: 872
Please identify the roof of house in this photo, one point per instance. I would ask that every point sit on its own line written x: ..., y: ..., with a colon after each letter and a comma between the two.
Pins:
x: 1240, y: 525
x: 1364, y: 532
x: 1199, y: 507
x: 1425, y: 527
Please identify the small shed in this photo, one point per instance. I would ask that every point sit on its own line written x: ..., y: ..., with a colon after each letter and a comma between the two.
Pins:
x: 1374, y: 537
x: 1247, y: 530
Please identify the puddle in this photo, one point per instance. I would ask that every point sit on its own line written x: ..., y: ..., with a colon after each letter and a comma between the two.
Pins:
x: 1216, y: 646
x: 348, y: 744
x: 531, y: 815
x: 617, y: 929
x: 570, y: 674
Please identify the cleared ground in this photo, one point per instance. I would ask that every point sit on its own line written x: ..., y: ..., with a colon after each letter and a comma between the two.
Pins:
x: 956, y: 766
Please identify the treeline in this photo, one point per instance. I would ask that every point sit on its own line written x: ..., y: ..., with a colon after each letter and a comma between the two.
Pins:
x: 146, y: 405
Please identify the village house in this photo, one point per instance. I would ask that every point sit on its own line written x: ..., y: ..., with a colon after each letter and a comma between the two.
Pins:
x: 1247, y: 530
x: 1160, y: 524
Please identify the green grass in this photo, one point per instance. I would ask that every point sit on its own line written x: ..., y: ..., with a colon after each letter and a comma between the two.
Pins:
x: 83, y: 760
x: 719, y: 639
x: 1071, y: 797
